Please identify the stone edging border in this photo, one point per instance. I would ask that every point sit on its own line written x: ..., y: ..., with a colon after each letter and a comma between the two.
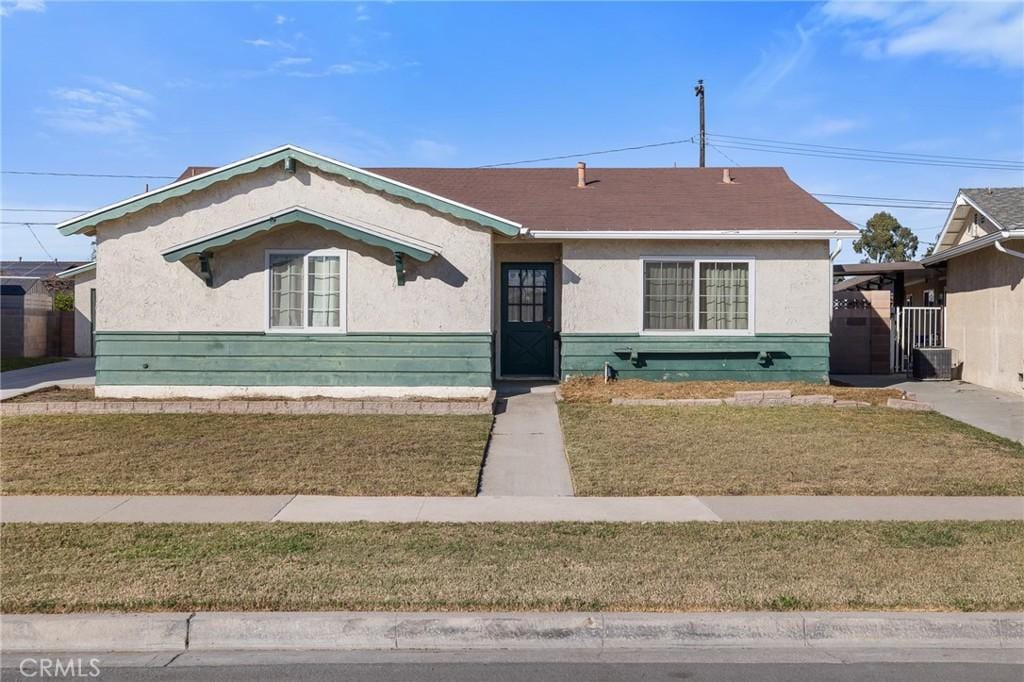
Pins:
x: 341, y: 631
x: 293, y: 407
x: 773, y: 398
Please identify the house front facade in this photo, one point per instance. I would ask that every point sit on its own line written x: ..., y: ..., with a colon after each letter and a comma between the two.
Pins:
x: 290, y: 274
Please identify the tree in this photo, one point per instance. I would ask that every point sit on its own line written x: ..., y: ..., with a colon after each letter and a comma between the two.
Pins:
x: 884, y: 240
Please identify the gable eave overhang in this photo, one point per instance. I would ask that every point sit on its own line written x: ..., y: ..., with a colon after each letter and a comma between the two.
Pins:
x: 289, y: 154
x: 973, y: 245
x: 956, y: 221
x: 757, y: 234
x: 421, y: 251
x: 80, y: 270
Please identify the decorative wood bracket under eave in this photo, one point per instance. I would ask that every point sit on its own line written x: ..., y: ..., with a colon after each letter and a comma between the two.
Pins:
x: 205, y: 247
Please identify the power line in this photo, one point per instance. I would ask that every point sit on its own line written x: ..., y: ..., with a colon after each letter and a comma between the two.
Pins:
x: 91, y: 175
x: 727, y: 157
x: 900, y: 199
x: 868, y: 151
x: 44, y: 210
x: 603, y: 151
x: 851, y: 156
x: 22, y: 222
x: 38, y: 241
x: 886, y: 205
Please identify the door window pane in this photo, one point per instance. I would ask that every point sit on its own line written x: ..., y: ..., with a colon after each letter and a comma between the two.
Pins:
x: 724, y: 295
x: 286, y: 290
x: 324, y: 291
x: 668, y: 295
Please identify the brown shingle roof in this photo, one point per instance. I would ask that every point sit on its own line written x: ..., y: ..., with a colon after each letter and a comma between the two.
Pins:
x: 626, y: 198
x: 630, y: 198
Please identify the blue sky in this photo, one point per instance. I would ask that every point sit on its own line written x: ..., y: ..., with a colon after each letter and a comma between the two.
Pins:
x: 149, y: 88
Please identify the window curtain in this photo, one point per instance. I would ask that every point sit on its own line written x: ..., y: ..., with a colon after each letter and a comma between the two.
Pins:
x: 285, y: 290
x: 324, y: 291
x: 724, y: 295
x: 668, y: 295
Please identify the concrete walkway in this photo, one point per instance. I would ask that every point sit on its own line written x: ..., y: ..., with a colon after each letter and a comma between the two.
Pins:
x: 75, y: 371
x: 526, y: 454
x: 993, y: 411
x: 326, y: 509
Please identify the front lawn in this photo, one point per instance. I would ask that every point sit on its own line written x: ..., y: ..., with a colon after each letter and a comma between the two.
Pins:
x: 513, y: 567
x: 243, y: 454
x: 7, y: 364
x: 619, y: 450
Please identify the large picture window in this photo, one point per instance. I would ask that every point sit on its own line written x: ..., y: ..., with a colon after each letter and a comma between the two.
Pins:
x: 306, y: 290
x: 692, y: 295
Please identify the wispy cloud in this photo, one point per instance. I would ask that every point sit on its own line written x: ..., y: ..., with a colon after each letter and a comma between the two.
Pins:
x: 264, y: 42
x: 790, y: 51
x: 361, y: 13
x: 433, y: 151
x: 107, y: 108
x: 9, y: 8
x: 292, y: 61
x: 281, y: 19
x: 976, y: 33
x: 826, y: 127
x: 341, y: 69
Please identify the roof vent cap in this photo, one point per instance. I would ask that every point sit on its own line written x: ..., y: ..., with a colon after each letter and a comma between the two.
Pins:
x: 727, y: 176
x: 581, y: 175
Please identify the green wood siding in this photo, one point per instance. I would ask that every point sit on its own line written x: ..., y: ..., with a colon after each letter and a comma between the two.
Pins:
x: 800, y: 357
x: 256, y: 359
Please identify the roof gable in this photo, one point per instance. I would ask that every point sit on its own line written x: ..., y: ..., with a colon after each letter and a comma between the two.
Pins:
x: 288, y: 155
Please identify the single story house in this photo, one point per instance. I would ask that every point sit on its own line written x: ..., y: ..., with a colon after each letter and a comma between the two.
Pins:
x: 982, y: 248
x: 291, y: 273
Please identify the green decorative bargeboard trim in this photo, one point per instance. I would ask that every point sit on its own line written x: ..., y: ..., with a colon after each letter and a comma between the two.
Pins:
x: 257, y: 359
x: 291, y: 155
x: 291, y: 216
x: 761, y: 357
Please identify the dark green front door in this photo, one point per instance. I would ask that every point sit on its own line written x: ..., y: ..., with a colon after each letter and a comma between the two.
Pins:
x: 527, y: 319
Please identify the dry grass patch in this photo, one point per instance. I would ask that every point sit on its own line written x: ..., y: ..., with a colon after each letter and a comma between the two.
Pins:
x: 8, y: 364
x: 243, y: 454
x: 617, y: 450
x: 517, y: 567
x: 595, y: 390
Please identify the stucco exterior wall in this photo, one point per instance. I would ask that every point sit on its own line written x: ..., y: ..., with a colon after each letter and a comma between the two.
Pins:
x: 602, y: 282
x: 84, y: 283
x: 985, y: 316
x: 142, y: 292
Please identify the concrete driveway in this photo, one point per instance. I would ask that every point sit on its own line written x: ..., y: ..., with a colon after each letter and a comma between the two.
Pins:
x: 993, y: 411
x: 77, y: 371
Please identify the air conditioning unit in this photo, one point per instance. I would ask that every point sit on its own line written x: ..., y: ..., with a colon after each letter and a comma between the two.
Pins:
x: 933, y: 364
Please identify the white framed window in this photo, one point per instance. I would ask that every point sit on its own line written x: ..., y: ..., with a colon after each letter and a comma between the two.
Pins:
x: 306, y: 290
x: 691, y: 295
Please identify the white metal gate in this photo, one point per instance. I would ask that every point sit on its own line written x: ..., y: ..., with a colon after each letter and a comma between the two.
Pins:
x: 915, y: 327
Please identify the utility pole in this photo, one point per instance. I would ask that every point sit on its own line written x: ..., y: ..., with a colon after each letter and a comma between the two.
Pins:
x: 698, y: 90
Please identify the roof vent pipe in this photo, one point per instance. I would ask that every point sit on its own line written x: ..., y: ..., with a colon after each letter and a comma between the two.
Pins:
x: 581, y: 175
x: 726, y: 176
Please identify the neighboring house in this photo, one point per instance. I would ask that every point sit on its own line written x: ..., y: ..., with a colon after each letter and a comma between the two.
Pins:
x: 84, y: 277
x: 29, y: 327
x: 911, y: 282
x: 290, y: 273
x: 982, y: 248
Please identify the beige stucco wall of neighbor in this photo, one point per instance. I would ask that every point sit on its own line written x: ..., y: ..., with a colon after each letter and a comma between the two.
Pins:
x: 143, y: 292
x: 985, y: 316
x: 84, y: 283
x: 602, y: 289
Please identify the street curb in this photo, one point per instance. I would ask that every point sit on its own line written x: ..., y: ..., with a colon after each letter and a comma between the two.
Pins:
x: 346, y: 631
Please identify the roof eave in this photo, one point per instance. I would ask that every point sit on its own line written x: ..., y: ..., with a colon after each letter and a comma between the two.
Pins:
x: 758, y: 234
x: 973, y: 245
x: 72, y: 272
x: 282, y: 154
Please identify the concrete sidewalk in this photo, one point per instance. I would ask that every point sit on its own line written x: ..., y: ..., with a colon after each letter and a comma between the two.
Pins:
x: 993, y: 411
x: 341, y: 631
x: 74, y: 371
x: 327, y: 509
x: 526, y: 453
